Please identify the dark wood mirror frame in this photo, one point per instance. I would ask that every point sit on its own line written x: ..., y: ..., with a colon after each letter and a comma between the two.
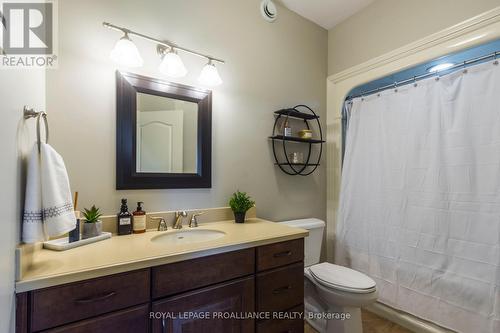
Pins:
x: 128, y: 85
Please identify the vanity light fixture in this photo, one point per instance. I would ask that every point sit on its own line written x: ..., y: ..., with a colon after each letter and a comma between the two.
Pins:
x: 171, y: 64
x: 125, y: 53
x: 209, y: 75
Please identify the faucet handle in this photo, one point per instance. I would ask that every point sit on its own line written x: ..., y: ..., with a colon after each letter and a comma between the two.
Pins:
x: 162, y: 224
x: 181, y: 213
x: 193, y: 223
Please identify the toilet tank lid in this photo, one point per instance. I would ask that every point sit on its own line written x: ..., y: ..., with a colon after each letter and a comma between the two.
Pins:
x: 308, y: 224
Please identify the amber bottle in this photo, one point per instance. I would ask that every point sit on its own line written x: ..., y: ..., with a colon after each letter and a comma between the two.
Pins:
x: 139, y: 219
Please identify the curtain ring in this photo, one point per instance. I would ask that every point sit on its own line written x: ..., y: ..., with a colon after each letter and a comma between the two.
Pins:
x: 496, y: 60
x: 38, y: 132
x: 395, y: 86
x: 415, y: 81
x: 465, y: 71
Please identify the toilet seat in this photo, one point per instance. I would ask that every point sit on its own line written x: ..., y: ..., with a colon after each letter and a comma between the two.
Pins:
x: 342, y: 278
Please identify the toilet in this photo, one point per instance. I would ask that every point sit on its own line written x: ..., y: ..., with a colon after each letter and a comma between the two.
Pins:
x: 333, y: 294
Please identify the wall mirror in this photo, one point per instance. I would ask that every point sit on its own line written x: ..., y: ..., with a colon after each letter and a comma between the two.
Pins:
x: 163, y: 134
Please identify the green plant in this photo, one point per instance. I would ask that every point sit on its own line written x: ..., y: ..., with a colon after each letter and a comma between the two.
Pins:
x: 240, y: 202
x: 92, y: 215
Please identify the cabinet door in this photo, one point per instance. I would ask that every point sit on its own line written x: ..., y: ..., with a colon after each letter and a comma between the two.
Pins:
x: 184, y: 313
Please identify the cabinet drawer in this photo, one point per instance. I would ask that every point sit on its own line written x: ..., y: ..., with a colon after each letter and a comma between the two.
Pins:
x: 281, y: 326
x: 281, y: 288
x: 280, y: 254
x: 191, y: 274
x: 293, y: 323
x: 75, y: 301
x: 134, y: 320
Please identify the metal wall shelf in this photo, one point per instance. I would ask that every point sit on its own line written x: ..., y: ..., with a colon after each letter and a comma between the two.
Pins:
x: 295, y: 139
x: 298, y: 164
x: 293, y: 113
x: 308, y: 167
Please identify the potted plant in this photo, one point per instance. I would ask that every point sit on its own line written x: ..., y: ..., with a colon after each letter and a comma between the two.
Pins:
x: 92, y: 226
x: 240, y: 202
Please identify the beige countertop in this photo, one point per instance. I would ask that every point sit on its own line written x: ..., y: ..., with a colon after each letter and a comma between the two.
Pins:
x: 125, y: 253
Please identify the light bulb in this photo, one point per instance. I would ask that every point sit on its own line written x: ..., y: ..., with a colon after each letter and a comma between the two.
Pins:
x: 172, y: 65
x: 125, y: 53
x: 209, y: 75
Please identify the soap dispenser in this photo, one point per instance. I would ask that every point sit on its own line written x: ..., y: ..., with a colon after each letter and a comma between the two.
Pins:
x: 124, y: 220
x: 139, y: 219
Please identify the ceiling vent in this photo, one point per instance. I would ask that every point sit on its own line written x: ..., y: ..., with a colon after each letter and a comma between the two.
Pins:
x: 268, y: 10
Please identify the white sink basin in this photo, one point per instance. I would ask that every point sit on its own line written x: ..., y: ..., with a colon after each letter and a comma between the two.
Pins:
x: 188, y: 236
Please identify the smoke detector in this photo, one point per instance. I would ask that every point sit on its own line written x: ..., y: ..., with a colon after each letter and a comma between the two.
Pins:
x: 268, y: 10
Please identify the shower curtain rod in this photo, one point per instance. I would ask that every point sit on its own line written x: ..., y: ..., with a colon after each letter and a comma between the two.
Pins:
x: 424, y: 76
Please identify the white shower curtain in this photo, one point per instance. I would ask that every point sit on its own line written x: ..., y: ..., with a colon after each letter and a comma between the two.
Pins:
x: 420, y: 198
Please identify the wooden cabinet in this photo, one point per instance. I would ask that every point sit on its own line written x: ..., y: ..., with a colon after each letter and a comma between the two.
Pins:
x: 280, y: 254
x: 132, y: 320
x: 280, y: 289
x: 22, y: 313
x: 203, y: 310
x: 191, y: 274
x: 289, y: 322
x: 51, y: 307
x: 281, y: 326
x: 209, y: 294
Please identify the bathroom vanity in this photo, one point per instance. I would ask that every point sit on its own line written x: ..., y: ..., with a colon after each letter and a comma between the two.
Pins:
x: 256, y: 267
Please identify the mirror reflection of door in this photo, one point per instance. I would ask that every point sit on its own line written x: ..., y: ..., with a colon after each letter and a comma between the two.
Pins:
x: 166, y: 133
x: 159, y: 144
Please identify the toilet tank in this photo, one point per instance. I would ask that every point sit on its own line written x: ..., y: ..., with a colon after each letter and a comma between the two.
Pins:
x: 312, y: 243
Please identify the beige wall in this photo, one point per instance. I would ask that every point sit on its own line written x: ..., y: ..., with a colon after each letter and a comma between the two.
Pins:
x: 17, y: 88
x: 269, y: 66
x: 389, y: 24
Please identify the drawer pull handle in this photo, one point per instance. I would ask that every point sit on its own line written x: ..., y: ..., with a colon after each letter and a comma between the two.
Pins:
x: 283, y: 254
x: 281, y: 289
x: 95, y: 299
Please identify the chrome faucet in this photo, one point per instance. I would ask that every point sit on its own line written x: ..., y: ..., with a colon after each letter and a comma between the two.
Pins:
x: 193, y: 223
x: 162, y: 225
x: 178, y: 219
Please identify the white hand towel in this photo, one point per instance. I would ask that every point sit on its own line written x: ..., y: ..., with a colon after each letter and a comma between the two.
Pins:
x: 48, y: 210
x: 32, y: 217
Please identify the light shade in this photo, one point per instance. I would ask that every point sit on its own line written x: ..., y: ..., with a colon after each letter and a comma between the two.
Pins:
x: 125, y: 53
x: 172, y: 65
x: 209, y: 75
x: 441, y: 67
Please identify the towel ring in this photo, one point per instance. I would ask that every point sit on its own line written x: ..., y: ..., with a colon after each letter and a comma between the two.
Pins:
x: 31, y: 113
x: 38, y: 133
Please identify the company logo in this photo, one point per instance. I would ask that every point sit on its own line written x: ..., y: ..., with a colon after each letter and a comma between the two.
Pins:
x: 28, y: 36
